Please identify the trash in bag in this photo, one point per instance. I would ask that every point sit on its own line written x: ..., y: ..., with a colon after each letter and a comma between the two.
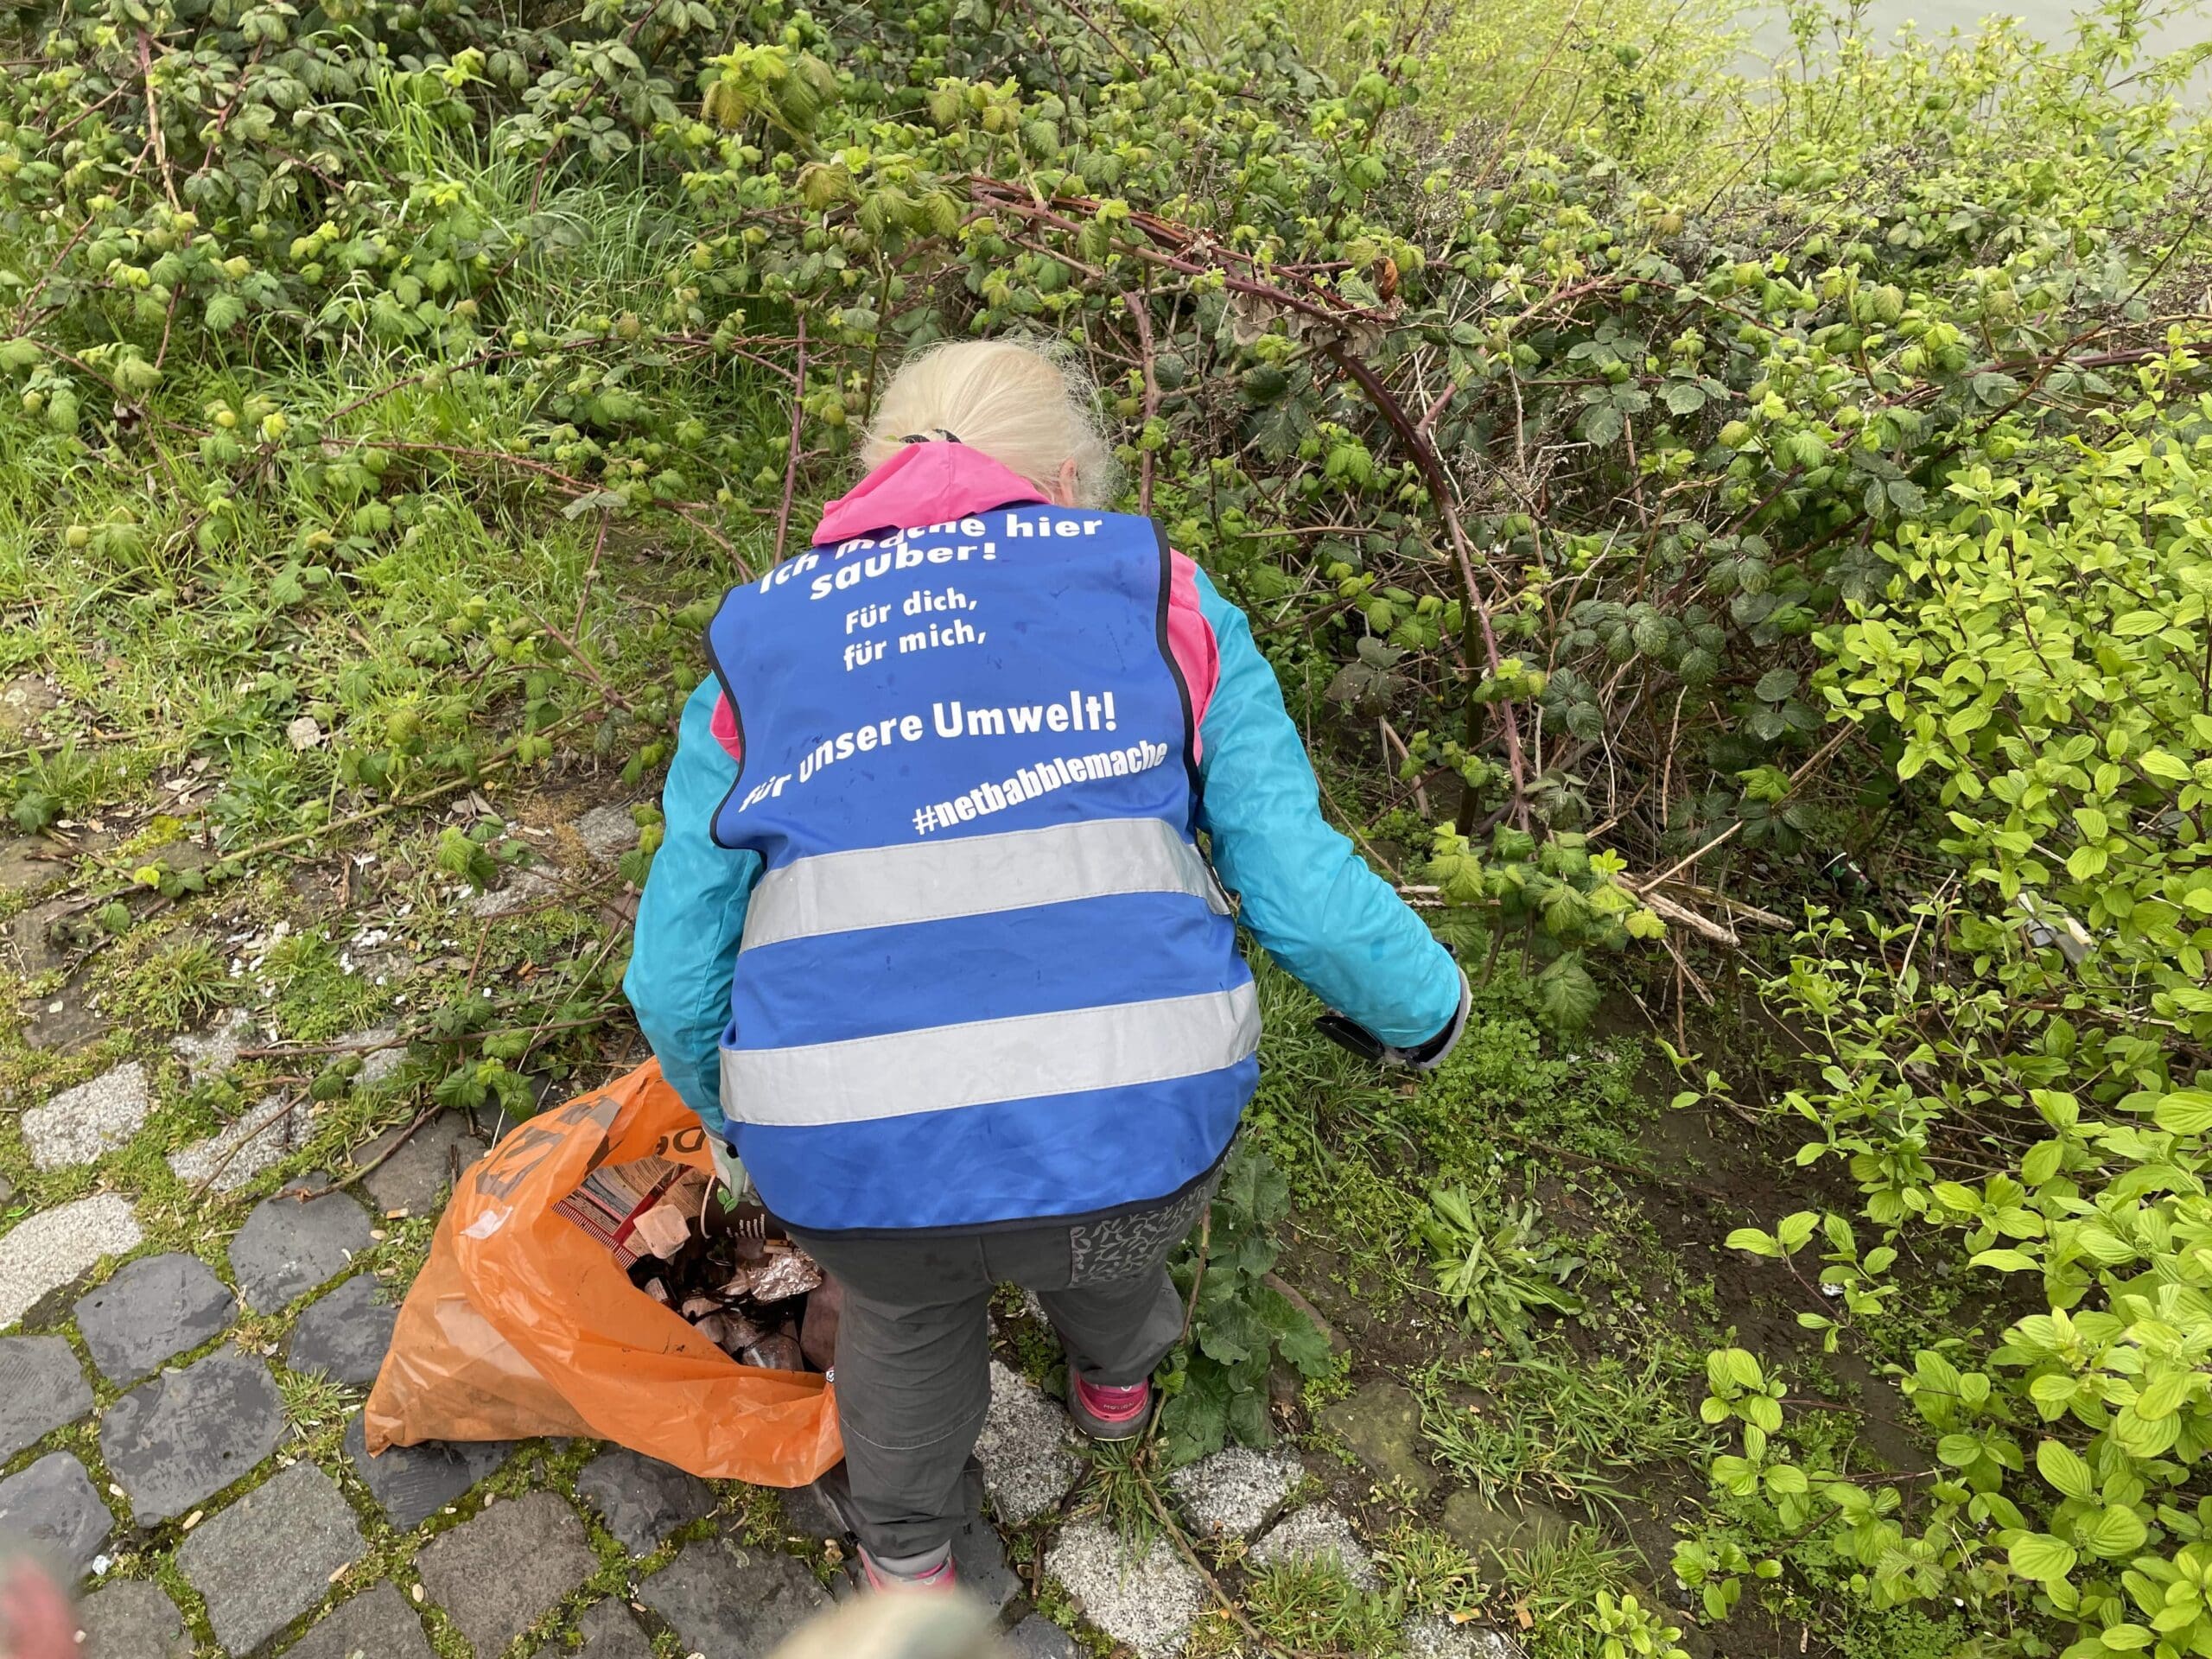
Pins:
x: 527, y: 1319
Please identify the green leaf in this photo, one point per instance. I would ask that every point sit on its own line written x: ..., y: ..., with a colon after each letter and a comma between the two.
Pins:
x: 2039, y: 1556
x: 1739, y: 1366
x: 1683, y: 397
x: 2113, y: 1533
x: 1296, y: 1337
x: 2086, y: 861
x: 1774, y: 686
x: 1793, y: 1231
x: 2005, y: 1261
x: 1994, y: 388
x: 1753, y: 1239
x: 1566, y: 996
x: 225, y: 312
x: 1194, y: 1422
x: 1959, y: 1450
x: 1788, y: 1480
x: 2063, y: 1468
x: 1232, y: 1334
x: 2185, y: 1111
x: 1248, y: 1418
x: 2164, y: 1396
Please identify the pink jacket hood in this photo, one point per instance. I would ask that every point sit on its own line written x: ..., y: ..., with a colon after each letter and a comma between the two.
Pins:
x: 922, y: 483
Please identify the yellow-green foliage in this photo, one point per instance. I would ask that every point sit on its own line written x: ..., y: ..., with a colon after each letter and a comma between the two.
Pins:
x: 2037, y: 667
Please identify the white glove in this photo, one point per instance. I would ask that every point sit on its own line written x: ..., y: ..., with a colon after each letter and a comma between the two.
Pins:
x: 726, y: 1166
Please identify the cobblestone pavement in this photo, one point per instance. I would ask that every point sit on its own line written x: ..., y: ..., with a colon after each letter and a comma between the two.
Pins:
x: 179, y: 1410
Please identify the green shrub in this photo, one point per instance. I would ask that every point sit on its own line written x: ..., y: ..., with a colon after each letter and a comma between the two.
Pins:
x: 2036, y: 665
x: 1571, y: 504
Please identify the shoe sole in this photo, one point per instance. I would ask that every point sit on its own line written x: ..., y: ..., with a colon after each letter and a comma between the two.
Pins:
x: 1098, y: 1428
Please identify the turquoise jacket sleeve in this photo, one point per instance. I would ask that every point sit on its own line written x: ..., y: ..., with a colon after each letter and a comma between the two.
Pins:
x: 683, y: 948
x: 1307, y: 897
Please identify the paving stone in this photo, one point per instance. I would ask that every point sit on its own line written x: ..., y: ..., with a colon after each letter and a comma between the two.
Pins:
x: 497, y: 1573
x: 1027, y: 1464
x: 608, y: 832
x: 376, y: 1624
x: 131, y: 1619
x: 189, y: 1434
x: 610, y: 1632
x: 40, y: 1389
x: 1037, y: 1637
x: 1315, y: 1534
x: 7, y: 1189
x: 209, y: 1054
x: 266, y: 1558
x: 979, y: 1553
x: 1147, y: 1601
x: 345, y: 1335
x: 416, y: 1177
x: 810, y: 1512
x: 287, y: 1247
x: 411, y: 1484
x: 28, y: 866
x: 24, y: 701
x: 381, y: 1052
x: 1234, y: 1493
x: 524, y: 888
x: 732, y: 1600
x: 1432, y: 1637
x: 259, y: 1138
x: 1381, y: 1422
x: 52, y: 1506
x: 44, y: 1252
x: 642, y: 1499
x: 154, y: 1309
x: 78, y: 1124
x: 1484, y: 1528
x: 31, y: 933
x: 62, y: 1025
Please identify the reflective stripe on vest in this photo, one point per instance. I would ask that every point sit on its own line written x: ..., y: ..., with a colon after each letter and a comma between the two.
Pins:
x: 940, y: 1068
x: 935, y: 880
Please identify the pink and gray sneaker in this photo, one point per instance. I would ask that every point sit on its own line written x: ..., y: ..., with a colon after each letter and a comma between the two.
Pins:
x: 1108, y: 1414
x: 933, y: 1570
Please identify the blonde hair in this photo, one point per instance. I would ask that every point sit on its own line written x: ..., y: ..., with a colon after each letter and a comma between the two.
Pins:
x: 1029, y: 407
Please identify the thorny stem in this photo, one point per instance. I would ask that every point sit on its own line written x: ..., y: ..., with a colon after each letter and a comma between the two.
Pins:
x: 1151, y: 400
x: 1198, y: 1274
x: 153, y: 119
x: 1440, y: 492
x: 1796, y: 777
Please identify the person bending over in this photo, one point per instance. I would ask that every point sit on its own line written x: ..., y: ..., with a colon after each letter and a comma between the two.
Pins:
x: 932, y: 945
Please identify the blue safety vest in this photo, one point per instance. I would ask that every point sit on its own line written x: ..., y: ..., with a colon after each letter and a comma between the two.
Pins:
x: 985, y: 975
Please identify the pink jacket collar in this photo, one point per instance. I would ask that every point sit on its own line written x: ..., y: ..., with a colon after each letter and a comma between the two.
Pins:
x: 922, y: 483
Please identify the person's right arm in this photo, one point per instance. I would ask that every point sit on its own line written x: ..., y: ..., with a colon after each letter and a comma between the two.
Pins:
x: 1307, y: 896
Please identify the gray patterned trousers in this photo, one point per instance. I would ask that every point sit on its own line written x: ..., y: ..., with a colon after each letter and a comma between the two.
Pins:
x: 913, y: 1345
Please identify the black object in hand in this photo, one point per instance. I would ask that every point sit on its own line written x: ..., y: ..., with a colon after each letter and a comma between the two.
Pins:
x: 1344, y: 1034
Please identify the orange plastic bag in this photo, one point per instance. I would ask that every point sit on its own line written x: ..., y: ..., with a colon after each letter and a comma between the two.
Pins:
x: 521, y: 1324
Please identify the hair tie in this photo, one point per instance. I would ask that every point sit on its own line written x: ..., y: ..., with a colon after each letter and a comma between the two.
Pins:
x: 917, y: 437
